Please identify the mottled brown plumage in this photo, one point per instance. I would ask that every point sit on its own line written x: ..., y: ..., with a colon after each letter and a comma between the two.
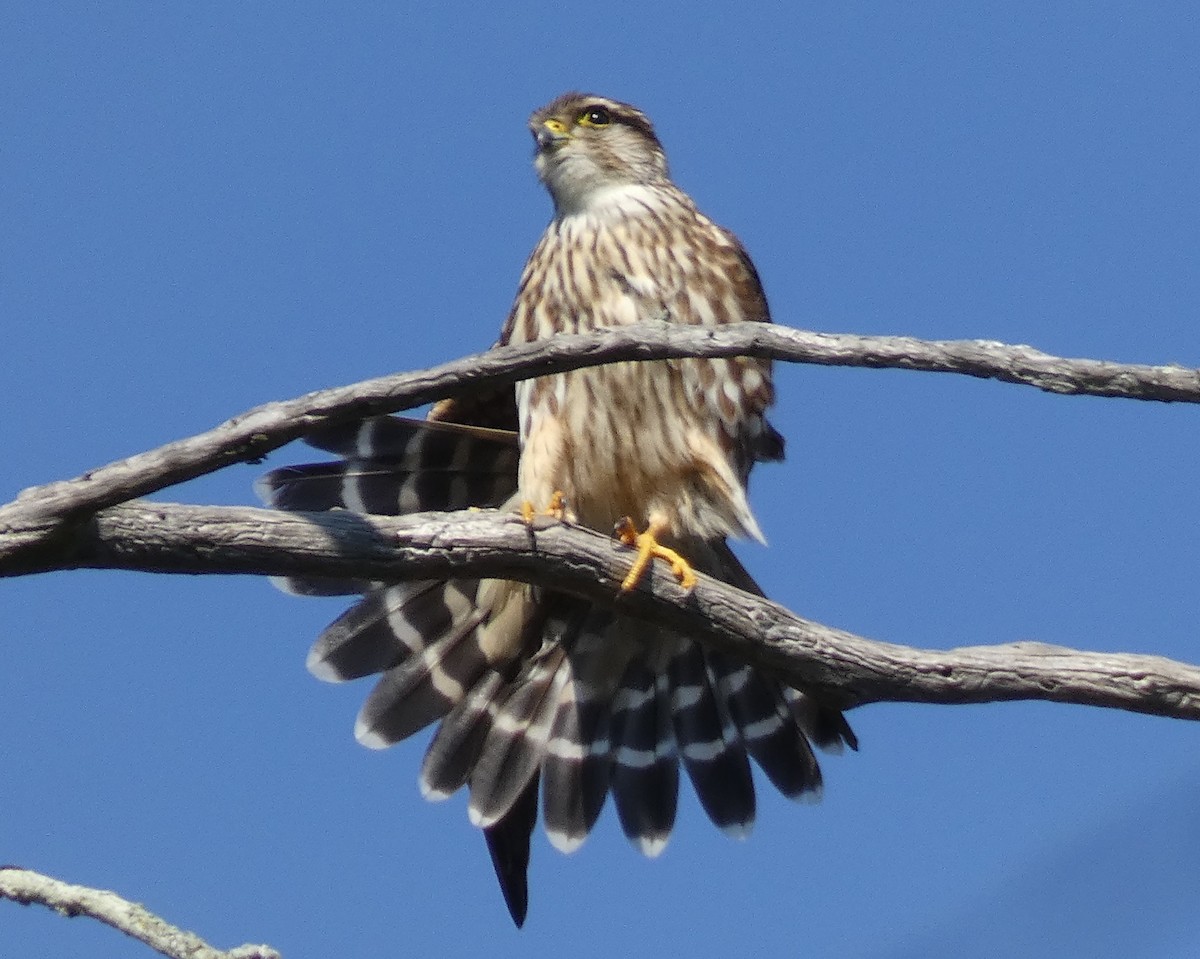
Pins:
x: 537, y: 692
x: 668, y: 444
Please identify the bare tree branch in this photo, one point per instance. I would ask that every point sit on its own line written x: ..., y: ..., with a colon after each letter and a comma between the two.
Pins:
x: 26, y: 887
x: 82, y: 523
x: 849, y: 670
x: 40, y: 513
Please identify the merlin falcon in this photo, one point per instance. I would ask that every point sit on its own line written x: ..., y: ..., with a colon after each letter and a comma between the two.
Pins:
x: 544, y: 699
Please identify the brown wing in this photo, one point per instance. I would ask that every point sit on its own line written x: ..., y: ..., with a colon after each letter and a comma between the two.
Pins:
x: 494, y: 408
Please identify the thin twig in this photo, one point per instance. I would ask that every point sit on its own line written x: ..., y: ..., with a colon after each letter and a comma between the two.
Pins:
x: 27, y: 887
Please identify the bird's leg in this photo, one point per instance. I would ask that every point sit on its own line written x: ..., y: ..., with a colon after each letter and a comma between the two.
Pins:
x: 648, y: 548
x: 556, y: 508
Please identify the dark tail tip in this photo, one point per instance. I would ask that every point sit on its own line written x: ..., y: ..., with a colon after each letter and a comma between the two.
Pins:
x: 508, y: 843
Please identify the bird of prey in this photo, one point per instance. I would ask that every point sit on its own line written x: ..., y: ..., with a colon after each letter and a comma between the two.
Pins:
x: 540, y: 692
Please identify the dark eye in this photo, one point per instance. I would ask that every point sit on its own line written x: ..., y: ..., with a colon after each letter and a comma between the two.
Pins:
x: 595, y: 117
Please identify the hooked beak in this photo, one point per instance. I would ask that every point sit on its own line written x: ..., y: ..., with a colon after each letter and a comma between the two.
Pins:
x: 550, y: 134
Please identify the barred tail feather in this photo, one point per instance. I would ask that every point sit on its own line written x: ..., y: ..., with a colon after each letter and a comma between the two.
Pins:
x: 418, y: 444
x: 645, y: 779
x: 514, y: 749
x: 824, y: 725
x: 389, y: 625
x: 709, y: 744
x: 769, y: 730
x: 492, y: 625
x: 393, y: 466
x: 576, y: 772
x: 423, y: 688
x: 460, y: 737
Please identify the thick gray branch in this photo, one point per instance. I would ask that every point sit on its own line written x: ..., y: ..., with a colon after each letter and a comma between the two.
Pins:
x: 849, y: 669
x: 26, y: 887
x: 42, y: 512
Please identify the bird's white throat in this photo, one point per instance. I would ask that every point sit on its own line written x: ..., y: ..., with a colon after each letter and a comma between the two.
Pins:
x: 605, y: 203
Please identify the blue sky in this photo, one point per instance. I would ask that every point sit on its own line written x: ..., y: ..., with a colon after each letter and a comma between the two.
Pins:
x: 209, y: 207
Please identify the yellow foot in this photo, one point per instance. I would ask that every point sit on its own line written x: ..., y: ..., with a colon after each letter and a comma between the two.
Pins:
x: 648, y: 548
x: 556, y: 508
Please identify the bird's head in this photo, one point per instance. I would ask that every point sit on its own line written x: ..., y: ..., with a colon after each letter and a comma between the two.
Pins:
x: 588, y: 146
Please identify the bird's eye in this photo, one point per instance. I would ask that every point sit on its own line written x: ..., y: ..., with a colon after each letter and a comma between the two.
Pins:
x: 595, y: 117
